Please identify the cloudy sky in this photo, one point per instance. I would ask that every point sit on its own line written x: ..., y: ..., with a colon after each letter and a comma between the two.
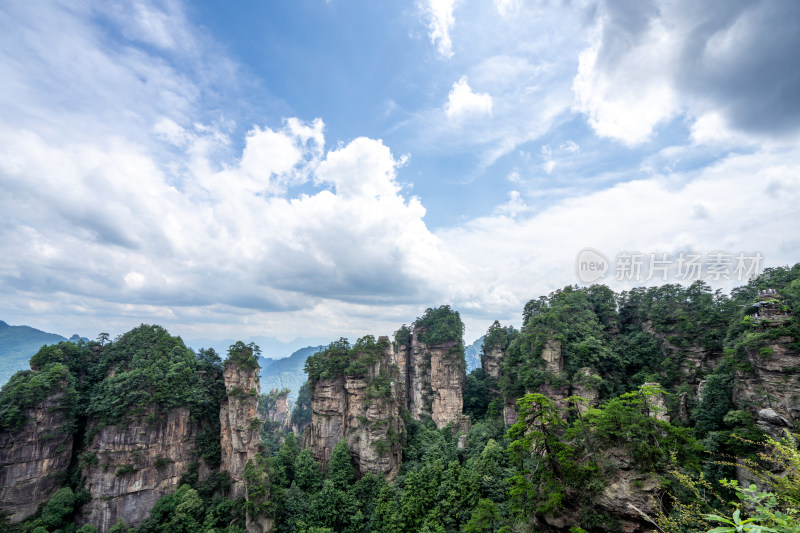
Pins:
x: 331, y: 168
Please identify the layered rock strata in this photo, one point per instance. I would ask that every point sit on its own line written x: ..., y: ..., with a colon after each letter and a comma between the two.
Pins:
x: 128, y: 467
x: 363, y: 409
x: 34, y: 459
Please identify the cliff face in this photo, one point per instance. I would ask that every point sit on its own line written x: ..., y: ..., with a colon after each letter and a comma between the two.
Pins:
x: 129, y: 467
x: 491, y: 361
x: 363, y: 409
x: 32, y: 457
x: 240, y: 423
x: 772, y: 382
x: 278, y: 410
x: 436, y: 381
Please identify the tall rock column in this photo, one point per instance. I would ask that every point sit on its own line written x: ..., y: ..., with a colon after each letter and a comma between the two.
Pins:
x: 437, y: 376
x: 362, y: 406
x: 240, y: 422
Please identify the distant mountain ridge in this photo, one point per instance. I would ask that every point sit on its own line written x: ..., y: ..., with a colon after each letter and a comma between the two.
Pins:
x: 288, y: 372
x: 18, y: 344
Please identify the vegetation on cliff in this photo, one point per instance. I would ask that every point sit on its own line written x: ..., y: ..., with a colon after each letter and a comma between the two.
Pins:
x: 658, y: 427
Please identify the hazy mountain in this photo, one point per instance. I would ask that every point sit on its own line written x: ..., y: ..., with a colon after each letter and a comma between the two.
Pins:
x: 287, y: 372
x: 472, y: 353
x: 18, y: 344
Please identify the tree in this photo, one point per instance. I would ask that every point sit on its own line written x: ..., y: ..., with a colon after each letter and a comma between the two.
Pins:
x: 307, y: 473
x: 340, y: 467
x: 485, y: 517
x: 103, y: 338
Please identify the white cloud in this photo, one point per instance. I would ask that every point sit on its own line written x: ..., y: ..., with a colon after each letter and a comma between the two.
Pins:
x: 651, y: 61
x: 627, y: 100
x: 463, y: 102
x: 439, y: 15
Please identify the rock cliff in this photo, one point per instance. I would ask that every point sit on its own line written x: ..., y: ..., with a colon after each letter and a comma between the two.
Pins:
x: 240, y: 422
x: 278, y: 409
x: 364, y: 408
x: 128, y: 467
x: 436, y: 380
x: 34, y: 458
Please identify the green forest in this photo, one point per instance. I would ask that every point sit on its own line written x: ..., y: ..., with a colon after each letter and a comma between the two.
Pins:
x: 656, y: 396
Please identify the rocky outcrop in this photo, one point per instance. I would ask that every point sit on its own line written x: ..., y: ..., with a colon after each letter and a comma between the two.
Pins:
x: 551, y: 354
x: 129, y: 466
x: 278, y: 409
x: 436, y: 381
x: 656, y: 404
x: 491, y: 361
x: 628, y: 493
x: 771, y: 383
x: 34, y: 459
x: 365, y: 410
x: 690, y: 360
x: 240, y: 423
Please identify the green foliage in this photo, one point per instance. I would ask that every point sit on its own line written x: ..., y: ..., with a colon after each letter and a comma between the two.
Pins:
x: 340, y: 466
x: 476, y: 393
x: 307, y: 474
x: 147, y: 370
x: 402, y: 337
x: 26, y: 389
x: 301, y: 413
x: 243, y: 355
x: 440, y: 325
x: 330, y: 362
x: 57, y: 512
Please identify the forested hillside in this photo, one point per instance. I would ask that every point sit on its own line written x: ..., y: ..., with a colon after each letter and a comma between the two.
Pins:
x: 650, y: 409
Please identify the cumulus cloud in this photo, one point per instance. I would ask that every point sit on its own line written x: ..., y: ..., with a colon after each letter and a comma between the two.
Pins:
x: 650, y: 61
x: 462, y: 101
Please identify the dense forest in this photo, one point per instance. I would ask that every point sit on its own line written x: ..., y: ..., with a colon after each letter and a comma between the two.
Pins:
x: 653, y: 394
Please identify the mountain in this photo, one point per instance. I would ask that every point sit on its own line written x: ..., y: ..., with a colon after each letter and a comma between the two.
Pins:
x: 287, y: 372
x: 472, y: 353
x: 18, y: 344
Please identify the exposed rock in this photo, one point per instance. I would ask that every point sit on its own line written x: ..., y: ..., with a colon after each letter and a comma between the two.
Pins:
x: 328, y: 415
x: 509, y: 412
x: 436, y: 381
x: 129, y: 467
x: 692, y: 360
x: 657, y: 404
x: 366, y: 411
x: 551, y: 354
x: 240, y: 423
x: 492, y: 360
x: 32, y: 458
x: 772, y: 381
x: 771, y: 417
x: 278, y: 409
x: 628, y: 493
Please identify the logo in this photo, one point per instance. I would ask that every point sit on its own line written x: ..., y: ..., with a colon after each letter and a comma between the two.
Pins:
x: 590, y: 265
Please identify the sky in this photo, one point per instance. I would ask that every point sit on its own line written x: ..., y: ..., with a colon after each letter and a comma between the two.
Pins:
x: 320, y: 169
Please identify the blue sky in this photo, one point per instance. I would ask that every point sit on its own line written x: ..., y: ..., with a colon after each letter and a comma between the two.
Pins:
x: 331, y: 168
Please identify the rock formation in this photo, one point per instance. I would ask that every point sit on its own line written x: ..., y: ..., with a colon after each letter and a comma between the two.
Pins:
x: 491, y: 361
x: 129, y: 466
x: 364, y: 409
x: 771, y: 383
x: 34, y: 459
x: 240, y: 422
x: 436, y: 380
x: 278, y: 409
